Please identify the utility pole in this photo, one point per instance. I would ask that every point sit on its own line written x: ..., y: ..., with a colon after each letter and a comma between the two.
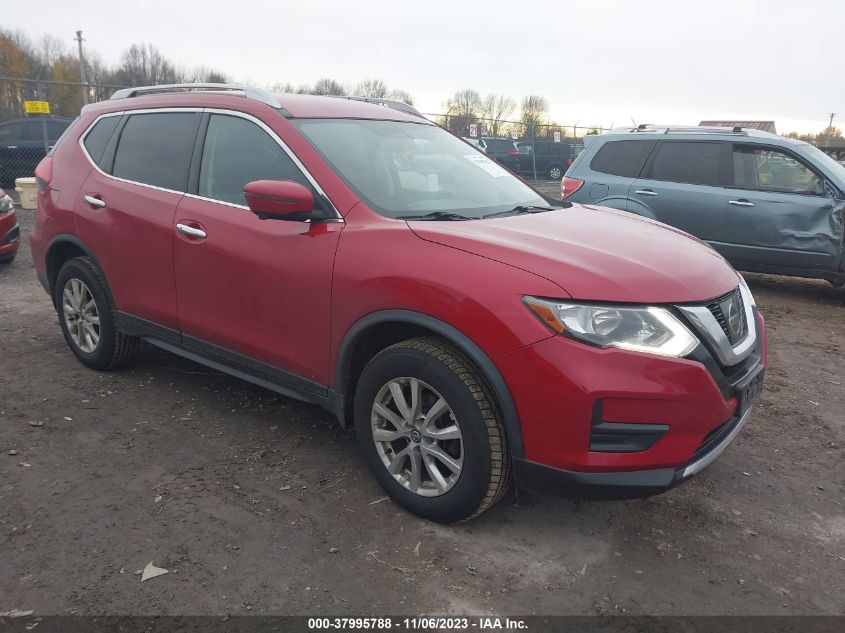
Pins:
x: 82, y: 68
x: 830, y: 128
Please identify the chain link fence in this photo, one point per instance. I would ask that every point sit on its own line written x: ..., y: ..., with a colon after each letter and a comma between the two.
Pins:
x: 533, y: 150
x: 29, y: 128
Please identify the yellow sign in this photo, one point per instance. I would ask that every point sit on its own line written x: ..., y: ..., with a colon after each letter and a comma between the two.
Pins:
x: 37, y: 107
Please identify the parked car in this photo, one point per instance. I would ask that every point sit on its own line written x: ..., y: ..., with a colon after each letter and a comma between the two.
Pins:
x: 550, y: 159
x: 767, y: 203
x: 502, y: 150
x: 22, y: 145
x: 363, y: 259
x: 9, y: 230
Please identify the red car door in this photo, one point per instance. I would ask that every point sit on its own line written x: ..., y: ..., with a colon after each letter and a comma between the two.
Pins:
x: 126, y: 207
x: 254, y: 292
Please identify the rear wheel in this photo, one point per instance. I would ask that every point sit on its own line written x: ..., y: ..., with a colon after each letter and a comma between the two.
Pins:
x: 429, y: 431
x: 555, y: 172
x: 86, y: 316
x: 7, y: 259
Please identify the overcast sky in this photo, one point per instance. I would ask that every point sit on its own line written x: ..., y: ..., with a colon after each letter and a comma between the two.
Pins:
x: 655, y: 61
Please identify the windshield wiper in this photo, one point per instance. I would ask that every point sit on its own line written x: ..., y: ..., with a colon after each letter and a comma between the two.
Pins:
x: 436, y: 215
x: 531, y: 208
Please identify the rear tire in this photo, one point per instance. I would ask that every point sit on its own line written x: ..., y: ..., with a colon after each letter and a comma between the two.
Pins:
x: 442, y: 453
x: 7, y: 259
x: 86, y: 316
x: 555, y: 172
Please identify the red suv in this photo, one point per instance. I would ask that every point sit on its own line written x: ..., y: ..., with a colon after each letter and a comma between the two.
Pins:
x: 10, y: 233
x: 357, y: 256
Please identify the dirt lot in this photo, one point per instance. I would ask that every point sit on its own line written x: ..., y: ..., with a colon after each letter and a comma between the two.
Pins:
x: 244, y: 495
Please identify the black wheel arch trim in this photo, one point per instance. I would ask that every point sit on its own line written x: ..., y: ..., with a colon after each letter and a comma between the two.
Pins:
x: 64, y: 238
x: 463, y: 344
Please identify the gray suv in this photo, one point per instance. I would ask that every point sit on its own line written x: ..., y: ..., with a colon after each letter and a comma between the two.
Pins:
x: 766, y: 203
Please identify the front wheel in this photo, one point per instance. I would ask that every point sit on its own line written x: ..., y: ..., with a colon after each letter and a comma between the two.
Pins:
x: 429, y: 431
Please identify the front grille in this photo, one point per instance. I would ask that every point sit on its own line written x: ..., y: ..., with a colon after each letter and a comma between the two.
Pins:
x: 729, y: 311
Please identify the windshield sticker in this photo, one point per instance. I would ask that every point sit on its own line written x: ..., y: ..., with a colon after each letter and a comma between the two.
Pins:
x: 492, y: 168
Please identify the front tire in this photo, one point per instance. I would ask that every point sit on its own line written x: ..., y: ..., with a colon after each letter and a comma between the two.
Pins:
x: 429, y: 432
x: 7, y: 259
x: 86, y: 316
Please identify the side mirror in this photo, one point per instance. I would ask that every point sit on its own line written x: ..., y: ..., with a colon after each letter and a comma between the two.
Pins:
x: 280, y: 200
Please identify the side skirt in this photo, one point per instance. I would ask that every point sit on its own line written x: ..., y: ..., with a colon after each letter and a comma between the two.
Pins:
x: 232, y: 363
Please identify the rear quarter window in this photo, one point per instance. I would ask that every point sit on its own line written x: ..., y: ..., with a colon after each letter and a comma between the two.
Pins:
x: 99, y: 136
x: 622, y: 158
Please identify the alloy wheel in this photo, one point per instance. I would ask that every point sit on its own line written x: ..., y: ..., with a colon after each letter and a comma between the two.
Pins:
x: 417, y: 436
x: 81, y: 315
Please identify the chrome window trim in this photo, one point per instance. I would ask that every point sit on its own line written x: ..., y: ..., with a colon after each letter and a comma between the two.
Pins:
x: 243, y: 115
x: 707, y: 325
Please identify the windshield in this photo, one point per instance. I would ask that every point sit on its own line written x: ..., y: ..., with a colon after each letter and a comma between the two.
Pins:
x: 836, y: 169
x: 413, y: 169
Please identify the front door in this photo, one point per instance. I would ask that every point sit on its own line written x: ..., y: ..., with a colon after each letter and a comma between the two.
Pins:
x: 254, y: 292
x: 780, y: 212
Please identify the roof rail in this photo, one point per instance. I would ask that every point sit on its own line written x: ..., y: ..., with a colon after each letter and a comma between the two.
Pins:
x: 688, y: 129
x: 257, y: 94
x: 388, y: 103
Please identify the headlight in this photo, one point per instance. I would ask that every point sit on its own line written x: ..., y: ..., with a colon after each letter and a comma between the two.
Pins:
x: 5, y: 203
x: 642, y: 329
x: 749, y: 298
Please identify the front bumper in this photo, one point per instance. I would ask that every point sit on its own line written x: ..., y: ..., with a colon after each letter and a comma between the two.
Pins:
x: 622, y: 485
x: 613, y: 423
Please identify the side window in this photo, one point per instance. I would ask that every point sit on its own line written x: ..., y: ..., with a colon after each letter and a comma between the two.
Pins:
x: 11, y: 131
x: 155, y: 149
x: 236, y: 152
x: 622, y: 158
x: 771, y: 170
x: 99, y: 136
x: 693, y: 162
x: 56, y: 128
x: 33, y: 130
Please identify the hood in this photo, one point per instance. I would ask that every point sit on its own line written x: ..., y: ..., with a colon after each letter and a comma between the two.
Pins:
x: 595, y: 253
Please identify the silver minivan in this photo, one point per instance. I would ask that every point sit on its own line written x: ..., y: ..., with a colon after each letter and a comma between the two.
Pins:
x: 766, y: 203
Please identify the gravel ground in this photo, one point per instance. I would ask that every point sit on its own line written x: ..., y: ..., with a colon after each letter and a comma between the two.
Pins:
x: 260, y: 504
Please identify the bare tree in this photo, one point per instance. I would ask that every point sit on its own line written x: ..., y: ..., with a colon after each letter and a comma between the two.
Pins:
x: 497, y: 108
x: 144, y: 65
x: 371, y: 88
x: 283, y: 87
x: 534, y: 113
x: 327, y: 86
x: 462, y: 110
x: 401, y: 95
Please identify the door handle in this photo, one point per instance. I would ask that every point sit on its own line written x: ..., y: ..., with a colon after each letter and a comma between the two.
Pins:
x: 94, y: 202
x: 645, y: 192
x: 741, y: 203
x: 191, y: 231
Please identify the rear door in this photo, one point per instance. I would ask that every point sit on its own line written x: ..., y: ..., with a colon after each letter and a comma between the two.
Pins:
x: 682, y: 185
x: 125, y: 208
x: 780, y: 212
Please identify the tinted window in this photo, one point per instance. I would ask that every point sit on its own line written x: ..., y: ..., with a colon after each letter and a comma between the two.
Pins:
x: 622, y: 158
x: 56, y: 128
x: 155, y: 149
x: 34, y: 130
x: 96, y: 140
x: 236, y: 152
x: 693, y: 162
x: 11, y: 131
